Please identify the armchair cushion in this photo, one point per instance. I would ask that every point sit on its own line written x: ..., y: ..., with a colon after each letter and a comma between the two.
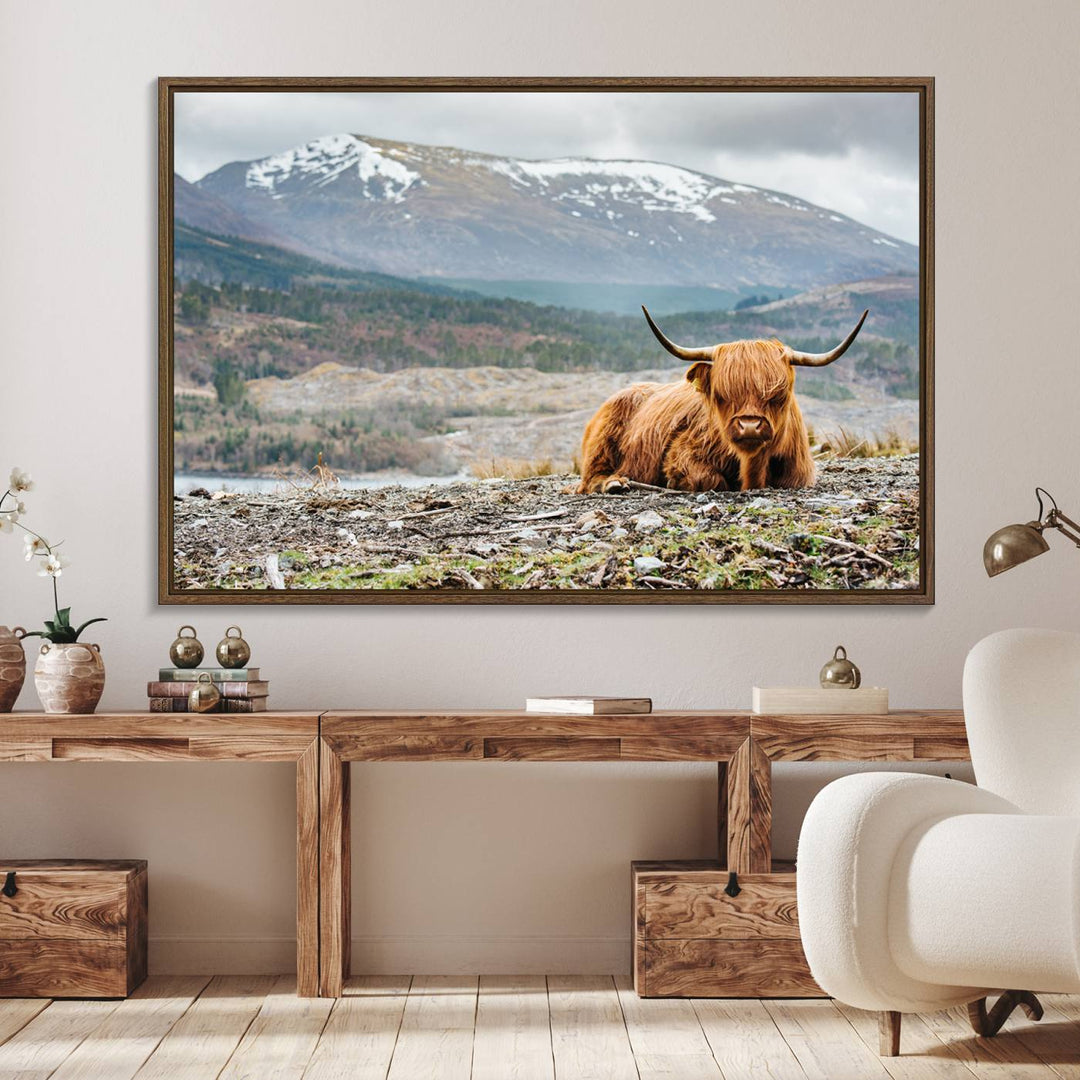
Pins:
x: 851, y: 837
x: 987, y: 899
x: 1022, y: 703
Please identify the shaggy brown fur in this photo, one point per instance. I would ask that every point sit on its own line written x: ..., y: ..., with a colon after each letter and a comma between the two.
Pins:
x: 732, y: 424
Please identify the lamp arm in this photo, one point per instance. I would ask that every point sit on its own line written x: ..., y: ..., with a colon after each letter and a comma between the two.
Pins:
x: 1057, y: 520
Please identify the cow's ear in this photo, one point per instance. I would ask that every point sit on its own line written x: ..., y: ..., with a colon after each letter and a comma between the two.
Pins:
x: 698, y: 374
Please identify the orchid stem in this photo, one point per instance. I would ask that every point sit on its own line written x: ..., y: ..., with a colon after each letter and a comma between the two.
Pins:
x: 48, y: 547
x: 40, y: 548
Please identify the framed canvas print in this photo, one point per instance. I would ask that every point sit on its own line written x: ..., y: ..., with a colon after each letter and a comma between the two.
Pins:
x: 546, y: 340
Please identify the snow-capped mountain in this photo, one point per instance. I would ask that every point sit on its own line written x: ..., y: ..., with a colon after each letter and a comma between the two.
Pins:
x: 424, y: 211
x: 380, y: 176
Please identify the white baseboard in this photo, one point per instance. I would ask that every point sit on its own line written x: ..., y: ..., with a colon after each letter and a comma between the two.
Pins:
x: 430, y: 954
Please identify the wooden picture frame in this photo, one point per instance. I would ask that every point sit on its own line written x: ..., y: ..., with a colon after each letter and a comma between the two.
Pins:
x: 173, y: 591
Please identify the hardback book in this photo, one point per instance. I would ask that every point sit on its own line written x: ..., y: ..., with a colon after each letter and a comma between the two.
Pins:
x: 217, y: 674
x: 588, y: 706
x: 244, y: 705
x: 819, y: 701
x: 168, y: 704
x: 225, y: 689
x: 228, y: 705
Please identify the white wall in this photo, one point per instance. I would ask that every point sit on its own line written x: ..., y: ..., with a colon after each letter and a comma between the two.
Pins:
x: 495, y: 867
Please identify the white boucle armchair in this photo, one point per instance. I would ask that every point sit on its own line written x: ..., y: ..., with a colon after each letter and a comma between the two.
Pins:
x: 918, y: 893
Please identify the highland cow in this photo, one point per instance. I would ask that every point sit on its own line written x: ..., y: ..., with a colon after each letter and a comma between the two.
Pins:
x: 732, y: 424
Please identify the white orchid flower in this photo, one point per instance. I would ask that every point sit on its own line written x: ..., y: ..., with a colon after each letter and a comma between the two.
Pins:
x: 34, y: 545
x: 20, y: 481
x: 53, y: 566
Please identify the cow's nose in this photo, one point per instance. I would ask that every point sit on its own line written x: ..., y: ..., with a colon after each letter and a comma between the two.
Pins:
x: 750, y: 427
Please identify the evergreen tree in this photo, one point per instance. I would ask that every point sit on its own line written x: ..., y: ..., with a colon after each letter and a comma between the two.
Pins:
x: 229, y: 384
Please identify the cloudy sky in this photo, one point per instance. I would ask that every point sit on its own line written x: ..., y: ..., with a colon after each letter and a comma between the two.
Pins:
x: 855, y: 153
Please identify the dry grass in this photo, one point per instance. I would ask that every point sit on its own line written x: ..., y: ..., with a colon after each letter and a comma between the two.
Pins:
x: 319, y: 477
x: 843, y: 444
x: 512, y: 468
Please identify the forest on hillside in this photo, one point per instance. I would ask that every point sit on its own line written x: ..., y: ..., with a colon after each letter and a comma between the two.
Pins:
x: 246, y: 311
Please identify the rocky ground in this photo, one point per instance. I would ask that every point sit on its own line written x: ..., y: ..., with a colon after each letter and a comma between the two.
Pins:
x: 858, y: 528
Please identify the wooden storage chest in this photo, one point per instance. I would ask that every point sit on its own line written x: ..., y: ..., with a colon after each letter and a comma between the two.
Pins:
x: 692, y: 939
x: 71, y: 928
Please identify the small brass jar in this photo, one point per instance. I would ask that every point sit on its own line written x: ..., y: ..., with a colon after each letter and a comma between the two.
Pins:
x: 187, y: 651
x: 233, y: 652
x: 204, y: 696
x: 840, y: 673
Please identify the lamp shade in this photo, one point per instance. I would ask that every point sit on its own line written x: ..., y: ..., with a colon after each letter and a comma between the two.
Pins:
x: 1012, y: 545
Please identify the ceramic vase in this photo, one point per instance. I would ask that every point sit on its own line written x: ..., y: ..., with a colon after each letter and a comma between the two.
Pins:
x: 69, y: 678
x: 12, y: 666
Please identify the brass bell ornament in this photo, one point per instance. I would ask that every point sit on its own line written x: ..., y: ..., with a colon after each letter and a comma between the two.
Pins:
x: 233, y: 652
x: 204, y: 695
x: 186, y: 651
x: 840, y: 673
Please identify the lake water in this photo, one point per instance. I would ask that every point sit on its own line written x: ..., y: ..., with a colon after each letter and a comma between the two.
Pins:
x: 185, y: 482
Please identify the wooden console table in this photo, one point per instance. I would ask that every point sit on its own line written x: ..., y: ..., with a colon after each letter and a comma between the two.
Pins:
x: 903, y: 735
x: 269, y: 736
x: 322, y: 745
x: 742, y: 744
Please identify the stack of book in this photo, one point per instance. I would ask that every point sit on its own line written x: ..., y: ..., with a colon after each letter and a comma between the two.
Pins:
x: 241, y: 689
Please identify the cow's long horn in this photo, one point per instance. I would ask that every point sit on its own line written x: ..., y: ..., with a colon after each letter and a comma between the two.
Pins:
x: 689, y: 355
x: 820, y: 359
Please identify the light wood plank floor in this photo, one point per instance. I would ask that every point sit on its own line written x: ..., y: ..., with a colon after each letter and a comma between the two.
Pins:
x: 526, y: 1027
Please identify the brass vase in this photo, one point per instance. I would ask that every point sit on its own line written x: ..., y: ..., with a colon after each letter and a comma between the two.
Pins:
x: 233, y: 652
x: 840, y: 673
x: 186, y: 651
x: 204, y: 695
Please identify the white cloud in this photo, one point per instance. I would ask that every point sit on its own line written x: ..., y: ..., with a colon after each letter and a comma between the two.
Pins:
x: 856, y: 184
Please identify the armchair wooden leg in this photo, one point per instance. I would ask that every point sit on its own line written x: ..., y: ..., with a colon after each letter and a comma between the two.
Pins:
x: 889, y: 1033
x: 988, y: 1024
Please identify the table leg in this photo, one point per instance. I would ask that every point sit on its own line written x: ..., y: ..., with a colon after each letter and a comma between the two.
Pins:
x: 749, y: 810
x: 307, y: 871
x: 334, y: 872
x: 346, y: 869
x: 722, y: 813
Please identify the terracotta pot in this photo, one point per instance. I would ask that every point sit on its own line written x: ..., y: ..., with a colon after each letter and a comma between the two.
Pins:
x: 69, y: 678
x: 12, y: 666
